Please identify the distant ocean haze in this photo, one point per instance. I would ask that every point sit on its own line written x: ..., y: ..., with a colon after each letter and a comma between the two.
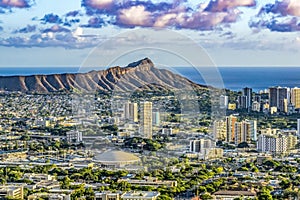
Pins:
x: 234, y: 78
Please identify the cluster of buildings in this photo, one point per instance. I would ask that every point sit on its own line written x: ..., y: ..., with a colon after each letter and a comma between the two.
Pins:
x: 280, y: 99
x: 138, y: 116
x: 135, y: 195
x: 275, y: 141
x: 233, y: 131
x: 16, y: 191
x: 204, y: 149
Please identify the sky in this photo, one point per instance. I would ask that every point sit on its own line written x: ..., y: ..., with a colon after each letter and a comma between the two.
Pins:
x: 62, y: 33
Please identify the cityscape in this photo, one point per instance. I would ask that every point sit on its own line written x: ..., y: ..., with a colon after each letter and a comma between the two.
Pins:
x: 149, y: 100
x: 145, y: 145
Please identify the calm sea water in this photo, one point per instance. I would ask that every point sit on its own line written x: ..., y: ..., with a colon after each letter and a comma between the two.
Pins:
x: 234, y: 78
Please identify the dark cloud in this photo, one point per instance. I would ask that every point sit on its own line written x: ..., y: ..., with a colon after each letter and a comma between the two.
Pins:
x: 281, y: 16
x: 94, y: 22
x: 8, y: 4
x: 51, y: 18
x: 74, y: 13
x: 112, y: 6
x: 228, y: 35
x: 1, y: 28
x: 56, y: 29
x: 27, y: 29
x: 70, y: 22
x: 286, y: 25
x: 283, y: 8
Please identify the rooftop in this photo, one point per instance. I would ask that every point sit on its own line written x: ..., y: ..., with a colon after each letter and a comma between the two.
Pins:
x: 116, y: 156
x: 140, y: 193
x: 235, y: 193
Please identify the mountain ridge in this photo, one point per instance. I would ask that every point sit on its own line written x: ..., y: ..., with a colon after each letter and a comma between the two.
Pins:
x: 136, y: 75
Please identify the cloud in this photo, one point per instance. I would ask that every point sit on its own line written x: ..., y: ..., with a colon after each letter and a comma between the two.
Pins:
x: 281, y: 16
x: 69, y: 40
x: 279, y: 25
x: 66, y: 20
x: 27, y: 29
x: 51, y: 18
x: 176, y: 14
x: 284, y: 8
x: 1, y: 28
x: 74, y: 13
x: 16, y: 3
x: 225, y: 5
x: 200, y: 20
x: 70, y: 22
x: 56, y: 29
x: 134, y: 16
x: 98, y: 4
x: 94, y: 22
x: 69, y: 18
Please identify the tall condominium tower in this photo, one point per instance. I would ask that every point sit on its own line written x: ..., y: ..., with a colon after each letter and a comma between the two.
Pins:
x: 146, y: 119
x: 230, y: 128
x: 245, y: 131
x: 131, y: 111
x: 298, y: 127
x: 279, y: 97
x: 247, y: 92
x: 295, y: 97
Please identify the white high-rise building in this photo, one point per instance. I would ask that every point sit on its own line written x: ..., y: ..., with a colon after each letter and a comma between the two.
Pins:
x: 156, y: 118
x: 253, y: 131
x: 219, y: 130
x: 146, y: 120
x: 298, y: 127
x: 256, y: 106
x: 272, y: 144
x: 223, y: 101
x: 199, y: 146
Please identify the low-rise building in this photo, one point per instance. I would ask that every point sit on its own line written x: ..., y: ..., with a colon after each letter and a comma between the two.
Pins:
x: 49, y: 196
x: 38, y: 177
x: 140, y: 195
x: 74, y: 136
x: 107, y: 196
x: 13, y: 191
x: 230, y: 195
x: 48, y: 184
x: 154, y: 182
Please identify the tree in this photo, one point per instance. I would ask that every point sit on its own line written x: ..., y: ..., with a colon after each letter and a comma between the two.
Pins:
x: 206, y: 196
x: 164, y: 197
x: 285, y: 183
x: 89, y: 193
x: 243, y: 145
x: 265, y: 194
x: 66, y: 182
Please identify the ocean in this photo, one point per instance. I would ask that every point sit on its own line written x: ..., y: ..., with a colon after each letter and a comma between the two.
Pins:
x: 234, y: 78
